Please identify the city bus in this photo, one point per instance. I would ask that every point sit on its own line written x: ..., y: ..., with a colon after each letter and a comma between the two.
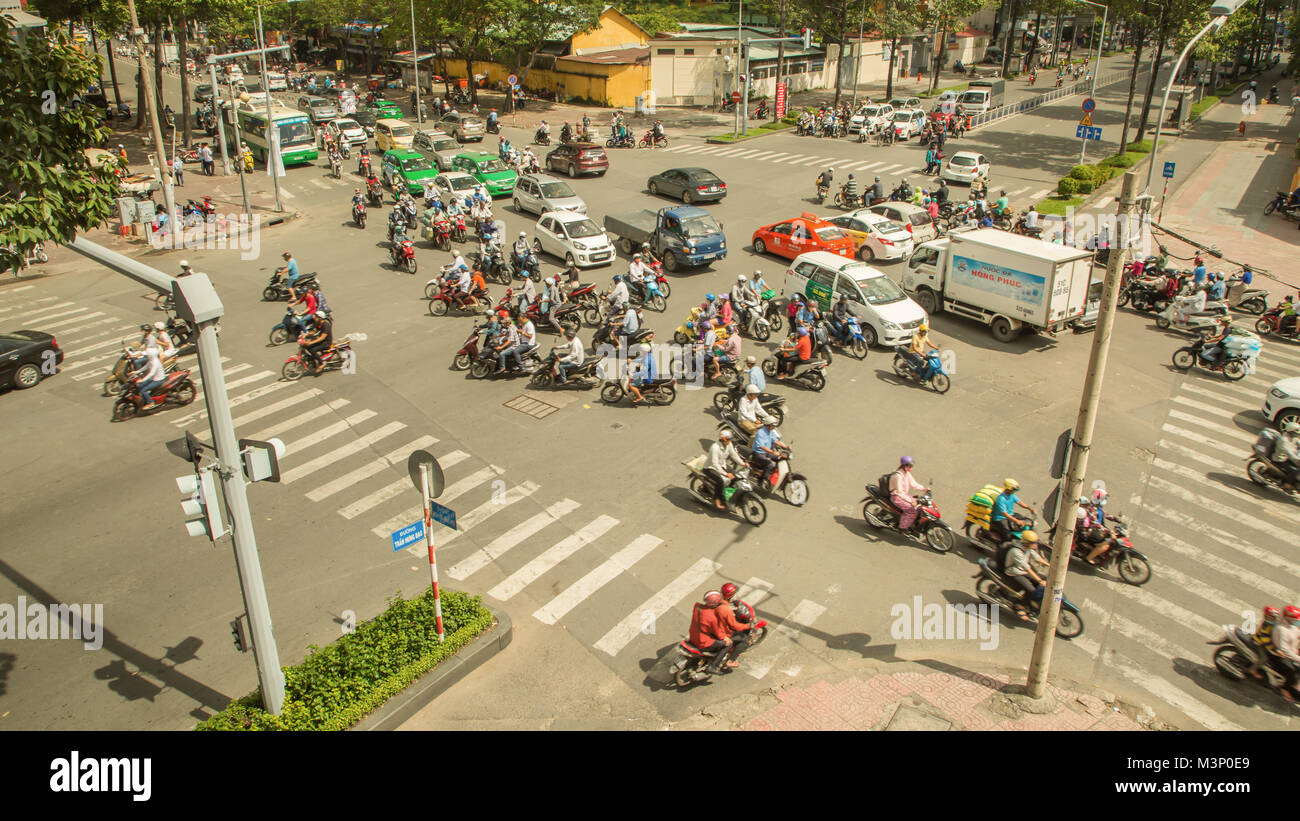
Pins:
x: 297, y: 138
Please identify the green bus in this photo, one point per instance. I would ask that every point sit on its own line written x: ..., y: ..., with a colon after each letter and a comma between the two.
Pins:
x: 297, y: 137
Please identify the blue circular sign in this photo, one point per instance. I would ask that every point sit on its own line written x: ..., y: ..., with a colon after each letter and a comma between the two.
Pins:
x: 1089, y: 104
x: 512, y: 80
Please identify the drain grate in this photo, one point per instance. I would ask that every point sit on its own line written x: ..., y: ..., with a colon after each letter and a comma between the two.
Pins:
x: 529, y: 406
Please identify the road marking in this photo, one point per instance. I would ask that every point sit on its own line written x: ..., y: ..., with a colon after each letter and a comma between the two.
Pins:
x: 529, y: 573
x: 889, y: 169
x: 498, y: 547
x: 711, y: 149
x: 284, y: 190
x: 773, y: 157
x: 762, y: 155
x: 316, y: 437
x: 35, y: 311
x: 17, y: 290
x: 1218, y: 396
x: 486, y: 510
x: 1038, y: 195
x: 1216, y: 598
x: 1275, y: 352
x: 258, y: 393
x: 754, y: 591
x: 91, y: 360
x: 396, y: 458
x: 815, y: 161
x: 1277, y: 591
x: 1197, y: 456
x: 872, y: 165
x: 804, y: 614
x: 731, y: 153
x: 1228, y: 540
x: 1262, y: 369
x: 44, y: 316
x: 452, y: 492
x: 1249, y: 498
x: 799, y: 159
x: 320, y: 184
x: 26, y: 302
x: 396, y: 488
x: 300, y: 419
x: 342, y: 452
x: 602, y: 575
x: 1192, y: 403
x: 673, y: 148
x: 1101, y: 203
x: 47, y: 327
x: 656, y: 606
x: 692, y: 149
x: 748, y: 154
x: 257, y: 377
x: 100, y: 334
x: 1231, y: 450
x: 1220, y: 429
x: 1018, y: 192
x: 1170, y: 694
x: 1284, y: 536
x: 97, y: 345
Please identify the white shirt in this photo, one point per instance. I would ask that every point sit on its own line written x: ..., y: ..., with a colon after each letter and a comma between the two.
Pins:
x: 638, y: 269
x: 527, y: 334
x: 1031, y: 219
x: 618, y: 296
x: 751, y: 410
x: 530, y: 290
x: 464, y: 281
x: 721, y: 457
x: 153, y: 369
x: 576, y: 352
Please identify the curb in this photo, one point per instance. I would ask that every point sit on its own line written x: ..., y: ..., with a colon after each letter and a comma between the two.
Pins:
x: 747, y: 137
x: 402, y: 707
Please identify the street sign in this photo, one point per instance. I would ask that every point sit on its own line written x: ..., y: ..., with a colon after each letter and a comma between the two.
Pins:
x: 1088, y: 132
x: 442, y: 514
x: 436, y: 481
x: 1169, y: 171
x: 407, y: 536
x: 735, y: 96
x: 780, y: 100
x: 1087, y: 120
x: 512, y: 80
x: 1089, y: 104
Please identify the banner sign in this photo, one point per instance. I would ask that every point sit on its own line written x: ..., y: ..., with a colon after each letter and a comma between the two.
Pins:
x: 994, y: 279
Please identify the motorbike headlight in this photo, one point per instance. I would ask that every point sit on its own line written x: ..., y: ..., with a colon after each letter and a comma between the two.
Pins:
x: 890, y: 326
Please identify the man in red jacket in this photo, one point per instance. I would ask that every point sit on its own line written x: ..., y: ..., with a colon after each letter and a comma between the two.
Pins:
x: 707, y: 631
x: 738, y: 632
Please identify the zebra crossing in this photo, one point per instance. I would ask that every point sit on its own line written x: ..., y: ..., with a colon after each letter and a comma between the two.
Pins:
x: 1217, y: 543
x: 878, y: 167
x: 513, y: 536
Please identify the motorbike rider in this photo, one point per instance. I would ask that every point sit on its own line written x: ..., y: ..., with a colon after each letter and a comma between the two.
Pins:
x: 1285, y: 658
x: 1001, y: 205
x: 658, y: 131
x: 723, y: 460
x: 572, y: 354
x: 742, y: 299
x: 628, y: 320
x: 877, y: 190
x: 757, y: 285
x: 520, y: 252
x: 825, y: 178
x: 941, y: 193
x: 527, y: 295
x: 396, y: 224
x: 902, y: 486
x: 1017, y: 560
x: 750, y: 411
x: 920, y: 347
x: 550, y: 300
x: 289, y: 269
x: 1219, y: 287
x: 647, y: 256
x: 726, y: 353
x: 739, y: 629
x: 637, y: 271
x: 1286, y: 453
x: 525, y: 338
x: 543, y: 130
x: 793, y: 352
x: 1031, y: 219
x: 305, y: 297
x: 850, y: 191
x: 839, y: 319
x: 646, y: 370
x: 767, y: 448
x: 566, y: 133
x: 706, y: 631
x: 315, y: 342
x: 618, y: 297
x: 754, y: 376
x: 1003, y: 518
x: 149, y: 372
x: 363, y: 161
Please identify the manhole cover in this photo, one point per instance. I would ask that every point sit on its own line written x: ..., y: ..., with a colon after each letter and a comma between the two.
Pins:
x: 529, y: 406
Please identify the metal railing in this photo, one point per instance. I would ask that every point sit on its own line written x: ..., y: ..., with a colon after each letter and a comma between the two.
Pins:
x: 1079, y: 87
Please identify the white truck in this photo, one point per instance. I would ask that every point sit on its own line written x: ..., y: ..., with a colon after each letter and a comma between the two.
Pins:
x: 1010, y: 282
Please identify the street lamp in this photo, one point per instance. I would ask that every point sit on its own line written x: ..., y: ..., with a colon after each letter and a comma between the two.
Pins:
x: 1219, y: 13
x: 1092, y: 95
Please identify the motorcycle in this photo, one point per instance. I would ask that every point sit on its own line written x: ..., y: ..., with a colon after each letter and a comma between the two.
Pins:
x: 1232, y: 367
x: 278, y: 288
x: 374, y: 193
x: 401, y: 251
x: 1200, y: 322
x: 692, y: 664
x: 586, y: 374
x: 932, y: 374
x: 459, y: 232
x: 117, y: 379
x: 822, y: 191
x: 528, y: 263
x: 363, y: 166
x: 1260, y: 466
x: 993, y: 589
x: 811, y: 373
x: 287, y: 329
x: 843, y: 199
x: 336, y: 167
x: 649, y: 140
x: 491, y: 262
x: 1240, y: 657
x: 541, y: 138
x: 646, y: 295
x: 621, y: 140
x: 856, y: 344
x: 334, y: 359
x: 438, y: 233
x: 726, y: 402
x: 1244, y: 298
x: 176, y: 391
x: 1282, y: 202
x: 880, y: 513
x: 493, y: 127
x: 488, y: 364
x: 583, y: 295
x: 660, y: 391
x: 1152, y: 294
x: 782, y: 479
x: 755, y: 324
x: 1133, y: 567
x: 605, y: 335
x: 1273, y: 322
x: 447, y: 299
x: 469, y: 352
x: 740, y: 497
x: 359, y: 214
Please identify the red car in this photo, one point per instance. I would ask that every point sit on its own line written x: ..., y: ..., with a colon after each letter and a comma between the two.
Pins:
x: 806, y: 232
x: 578, y: 158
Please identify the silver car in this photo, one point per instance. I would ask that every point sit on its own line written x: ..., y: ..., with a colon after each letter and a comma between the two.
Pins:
x: 443, y: 148
x: 464, y: 127
x: 540, y: 193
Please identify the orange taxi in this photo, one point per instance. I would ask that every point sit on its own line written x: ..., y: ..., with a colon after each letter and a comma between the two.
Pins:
x: 806, y: 232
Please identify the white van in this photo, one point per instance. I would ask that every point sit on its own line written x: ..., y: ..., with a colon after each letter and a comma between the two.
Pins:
x: 976, y: 101
x: 275, y: 81
x: 889, y: 316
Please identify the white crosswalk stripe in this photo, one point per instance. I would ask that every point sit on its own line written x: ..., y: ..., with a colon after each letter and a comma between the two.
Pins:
x: 258, y: 393
x: 656, y: 606
x: 764, y: 657
x: 393, y: 489
x: 490, y: 508
x: 99, y: 332
x: 284, y: 190
x: 301, y: 419
x: 1268, y: 586
x: 342, y: 452
x: 316, y: 437
x: 77, y: 352
x: 1017, y: 192
x: 1038, y: 195
x: 513, y: 584
x: 80, y: 320
x: 320, y: 184
x: 602, y: 575
x: 395, y: 458
x: 449, y: 494
x: 481, y: 558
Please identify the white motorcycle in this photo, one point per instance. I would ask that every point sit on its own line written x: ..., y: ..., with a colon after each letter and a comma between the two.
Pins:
x: 1178, y: 316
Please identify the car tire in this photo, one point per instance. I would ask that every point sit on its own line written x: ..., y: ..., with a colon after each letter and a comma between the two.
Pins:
x: 569, y: 260
x: 759, y: 247
x: 687, y: 198
x: 1290, y: 414
x: 518, y: 207
x: 865, y: 253
x: 27, y: 376
x: 537, y: 246
x: 652, y: 188
x: 573, y: 171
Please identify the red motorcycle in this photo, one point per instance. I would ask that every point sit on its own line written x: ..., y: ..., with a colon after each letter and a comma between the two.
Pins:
x: 648, y: 140
x: 176, y: 391
x: 440, y: 234
x: 692, y: 664
x: 566, y: 314
x: 1274, y: 323
x: 469, y: 351
x: 879, y: 511
x: 359, y: 213
x: 363, y: 165
x: 336, y: 358
x: 402, y: 252
x: 449, y: 298
x: 459, y: 232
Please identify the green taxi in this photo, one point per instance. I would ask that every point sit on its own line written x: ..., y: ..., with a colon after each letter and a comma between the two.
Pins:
x: 496, y: 176
x: 406, y: 168
x: 385, y: 110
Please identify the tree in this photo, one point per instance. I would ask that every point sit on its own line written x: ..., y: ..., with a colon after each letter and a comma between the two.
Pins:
x: 1010, y: 46
x: 893, y: 21
x: 48, y: 189
x: 942, y: 17
x: 532, y: 24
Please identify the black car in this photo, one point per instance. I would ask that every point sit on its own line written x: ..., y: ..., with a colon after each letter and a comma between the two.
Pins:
x: 365, y: 119
x: 691, y: 185
x: 26, y: 357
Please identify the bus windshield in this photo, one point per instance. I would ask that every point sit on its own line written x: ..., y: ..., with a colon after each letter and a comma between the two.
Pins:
x: 295, y: 132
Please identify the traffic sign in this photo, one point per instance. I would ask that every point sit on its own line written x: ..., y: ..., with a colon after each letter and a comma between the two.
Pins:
x: 1089, y: 104
x: 436, y: 481
x: 1087, y: 120
x: 512, y: 80
x: 442, y: 514
x: 1087, y: 132
x: 735, y: 96
x: 1169, y: 171
x: 408, y: 536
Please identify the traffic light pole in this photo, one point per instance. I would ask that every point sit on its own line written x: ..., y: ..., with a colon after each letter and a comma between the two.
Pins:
x: 197, y: 301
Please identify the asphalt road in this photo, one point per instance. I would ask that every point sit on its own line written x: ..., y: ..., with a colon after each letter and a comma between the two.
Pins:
x: 578, y: 523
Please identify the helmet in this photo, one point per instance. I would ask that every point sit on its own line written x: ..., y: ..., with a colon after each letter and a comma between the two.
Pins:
x: 1030, y: 537
x: 1099, y: 496
x: 752, y: 390
x: 185, y: 263
x: 712, y: 598
x: 905, y: 461
x: 159, y: 326
x: 803, y: 332
x: 757, y: 273
x: 1291, y: 612
x: 320, y: 314
x: 458, y: 255
x: 924, y: 326
x: 636, y: 256
x: 724, y: 434
x: 1271, y: 613
x: 570, y: 333
x: 618, y: 277
x: 710, y: 297
x: 286, y: 255
x: 356, y: 190
x: 645, y: 347
x: 877, y: 179
x: 740, y: 277
x: 1290, y: 426
x: 729, y: 590
x: 690, y: 326
x: 1010, y: 484
x: 750, y: 360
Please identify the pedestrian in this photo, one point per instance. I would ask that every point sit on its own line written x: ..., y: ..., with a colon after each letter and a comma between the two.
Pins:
x: 205, y: 157
x: 178, y: 171
x: 1241, y: 129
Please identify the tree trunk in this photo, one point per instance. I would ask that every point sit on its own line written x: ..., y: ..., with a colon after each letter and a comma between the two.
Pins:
x: 839, y: 57
x: 1033, y: 45
x: 893, y: 57
x: 469, y: 79
x: 1132, y: 86
x: 158, y: 69
x: 182, y: 35
x: 938, y: 59
x: 1010, y: 45
x: 1056, y: 42
x: 1155, y: 71
x: 112, y: 69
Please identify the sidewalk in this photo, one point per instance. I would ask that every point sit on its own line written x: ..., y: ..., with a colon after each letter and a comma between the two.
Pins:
x: 923, y: 696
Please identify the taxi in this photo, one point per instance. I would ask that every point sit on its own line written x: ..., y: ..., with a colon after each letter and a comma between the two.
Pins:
x: 806, y: 232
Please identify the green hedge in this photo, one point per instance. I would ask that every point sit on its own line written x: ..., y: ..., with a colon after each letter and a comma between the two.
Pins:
x: 1200, y: 108
x: 338, y: 685
x: 1141, y: 147
x: 1067, y: 187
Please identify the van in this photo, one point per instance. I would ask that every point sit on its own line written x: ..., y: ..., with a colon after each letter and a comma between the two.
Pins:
x: 390, y: 134
x: 275, y: 81
x: 889, y: 316
x: 976, y: 101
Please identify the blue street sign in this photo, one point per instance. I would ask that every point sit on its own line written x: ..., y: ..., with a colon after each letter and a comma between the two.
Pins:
x: 1088, y: 132
x: 1089, y: 104
x: 408, y: 536
x: 443, y: 514
x: 1169, y: 171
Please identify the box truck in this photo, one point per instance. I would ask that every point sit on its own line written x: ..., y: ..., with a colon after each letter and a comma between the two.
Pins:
x: 1010, y: 282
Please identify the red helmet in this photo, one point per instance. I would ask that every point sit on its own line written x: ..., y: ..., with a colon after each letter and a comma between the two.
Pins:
x: 713, y: 598
x: 1292, y: 613
x: 729, y: 590
x: 1271, y: 612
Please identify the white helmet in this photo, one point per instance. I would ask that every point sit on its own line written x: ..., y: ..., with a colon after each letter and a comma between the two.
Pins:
x: 185, y: 263
x: 757, y: 273
x: 751, y: 390
x: 159, y: 326
x: 523, y: 235
x: 740, y: 277
x: 457, y: 255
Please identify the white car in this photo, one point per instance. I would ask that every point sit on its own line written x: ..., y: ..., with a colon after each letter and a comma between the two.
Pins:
x: 454, y: 184
x: 540, y: 193
x: 905, y: 214
x: 889, y: 316
x: 346, y: 130
x: 1282, y: 402
x: 964, y: 166
x: 900, y: 103
x: 872, y: 117
x: 275, y: 81
x: 908, y: 122
x: 876, y: 237
x: 573, y: 238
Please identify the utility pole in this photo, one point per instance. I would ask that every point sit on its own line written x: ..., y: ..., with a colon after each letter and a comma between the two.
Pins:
x: 415, y: 64
x: 740, y: 11
x: 1080, y: 446
x: 273, y: 164
x: 857, y: 56
x: 146, y: 79
x: 218, y: 114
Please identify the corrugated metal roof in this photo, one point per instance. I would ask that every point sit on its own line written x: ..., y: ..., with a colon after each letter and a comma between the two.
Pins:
x: 618, y: 56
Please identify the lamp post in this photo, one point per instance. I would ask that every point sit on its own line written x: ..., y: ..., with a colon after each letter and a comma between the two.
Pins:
x: 1083, y: 144
x: 1219, y: 14
x: 272, y: 133
x: 415, y: 64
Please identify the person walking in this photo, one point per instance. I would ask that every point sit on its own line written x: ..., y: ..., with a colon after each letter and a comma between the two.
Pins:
x: 178, y: 170
x: 205, y: 158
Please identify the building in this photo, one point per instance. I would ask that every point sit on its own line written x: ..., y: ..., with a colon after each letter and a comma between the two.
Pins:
x: 24, y: 24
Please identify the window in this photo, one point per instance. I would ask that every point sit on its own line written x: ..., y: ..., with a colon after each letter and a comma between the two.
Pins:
x: 688, y: 51
x: 783, y: 228
x: 823, y: 279
x: 797, y: 68
x: 667, y: 51
x: 848, y: 288
x: 926, y: 256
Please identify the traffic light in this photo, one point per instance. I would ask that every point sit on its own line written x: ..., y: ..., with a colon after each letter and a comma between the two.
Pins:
x: 201, y: 504
x: 807, y: 37
x: 742, y: 78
